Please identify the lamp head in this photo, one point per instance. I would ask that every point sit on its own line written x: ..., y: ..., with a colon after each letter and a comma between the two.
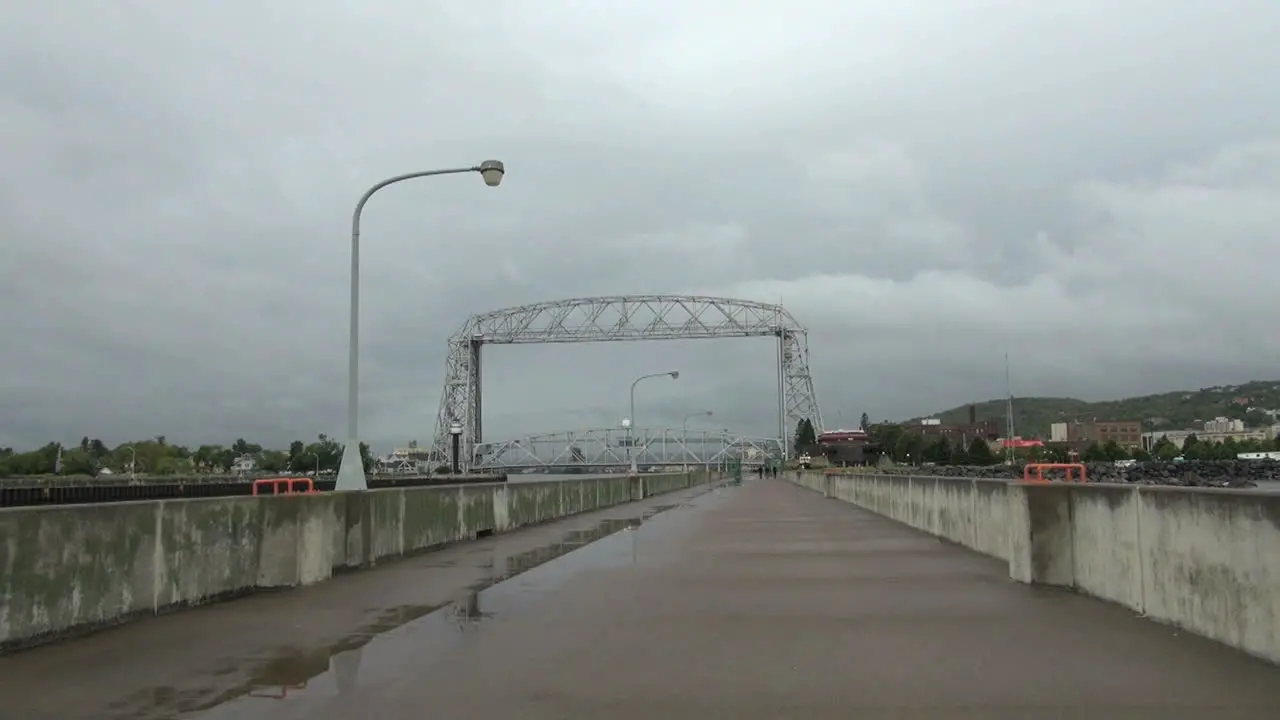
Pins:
x: 455, y: 429
x: 675, y: 374
x: 492, y: 172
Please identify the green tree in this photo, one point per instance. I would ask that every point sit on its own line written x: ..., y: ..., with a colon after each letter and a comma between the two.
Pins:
x: 172, y: 464
x: 241, y: 447
x: 806, y: 438
x: 1093, y: 453
x: 273, y: 461
x: 297, y: 455
x: 864, y: 422
x: 938, y: 451
x: 980, y: 452
x: 1112, y: 451
x: 1164, y: 449
x: 888, y: 437
x: 366, y: 457
x: 78, y: 461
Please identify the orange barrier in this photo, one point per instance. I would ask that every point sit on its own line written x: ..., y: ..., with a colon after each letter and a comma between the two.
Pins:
x: 291, y: 485
x: 1041, y: 467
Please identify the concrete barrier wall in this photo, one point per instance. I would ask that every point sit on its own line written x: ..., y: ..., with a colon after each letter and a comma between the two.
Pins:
x: 1203, y: 559
x: 66, y: 568
x: 970, y: 512
x: 1206, y: 560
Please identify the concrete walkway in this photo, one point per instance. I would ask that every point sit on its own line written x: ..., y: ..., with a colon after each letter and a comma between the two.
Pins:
x: 767, y: 601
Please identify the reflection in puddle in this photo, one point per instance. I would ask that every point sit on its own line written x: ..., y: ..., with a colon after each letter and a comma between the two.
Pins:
x: 416, y: 636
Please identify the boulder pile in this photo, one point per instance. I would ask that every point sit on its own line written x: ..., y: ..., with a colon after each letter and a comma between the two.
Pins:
x: 1189, y: 473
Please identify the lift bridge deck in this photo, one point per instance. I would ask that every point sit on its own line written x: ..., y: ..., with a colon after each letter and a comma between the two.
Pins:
x: 605, y: 448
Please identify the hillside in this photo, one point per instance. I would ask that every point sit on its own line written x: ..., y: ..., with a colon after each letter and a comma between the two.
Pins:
x: 1166, y: 411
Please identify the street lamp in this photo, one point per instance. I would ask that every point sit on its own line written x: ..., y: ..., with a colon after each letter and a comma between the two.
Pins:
x: 351, y: 471
x: 675, y: 375
x: 317, y: 457
x: 455, y: 430
x: 684, y: 435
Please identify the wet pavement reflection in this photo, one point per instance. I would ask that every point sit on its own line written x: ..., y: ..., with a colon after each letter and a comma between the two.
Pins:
x: 414, y: 637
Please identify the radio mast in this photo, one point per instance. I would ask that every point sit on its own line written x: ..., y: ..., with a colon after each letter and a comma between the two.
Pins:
x: 1008, y: 413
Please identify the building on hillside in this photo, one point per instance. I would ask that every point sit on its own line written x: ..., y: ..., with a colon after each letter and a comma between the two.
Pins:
x: 1179, y: 437
x: 1125, y: 433
x: 1224, y: 425
x: 958, y: 434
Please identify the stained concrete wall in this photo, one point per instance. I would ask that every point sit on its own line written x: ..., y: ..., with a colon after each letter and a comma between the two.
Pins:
x: 1205, y: 560
x: 66, y: 568
x: 970, y: 512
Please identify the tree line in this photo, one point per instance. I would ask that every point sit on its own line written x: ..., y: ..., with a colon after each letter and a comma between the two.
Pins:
x: 156, y: 456
x: 905, y: 446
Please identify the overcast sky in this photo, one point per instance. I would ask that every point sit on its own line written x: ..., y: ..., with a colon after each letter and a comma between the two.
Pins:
x: 1091, y: 185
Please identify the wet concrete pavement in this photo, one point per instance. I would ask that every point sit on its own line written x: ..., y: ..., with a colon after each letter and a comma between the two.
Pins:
x: 759, y: 601
x: 180, y: 664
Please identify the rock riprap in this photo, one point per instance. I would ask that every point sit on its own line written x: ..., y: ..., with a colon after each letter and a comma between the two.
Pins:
x: 1189, y: 473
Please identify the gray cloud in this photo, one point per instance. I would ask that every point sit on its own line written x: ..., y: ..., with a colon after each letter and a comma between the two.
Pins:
x: 1090, y: 185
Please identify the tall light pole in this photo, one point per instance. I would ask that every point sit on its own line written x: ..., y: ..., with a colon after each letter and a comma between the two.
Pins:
x: 351, y: 471
x: 675, y: 375
x: 317, y: 457
x: 684, y: 434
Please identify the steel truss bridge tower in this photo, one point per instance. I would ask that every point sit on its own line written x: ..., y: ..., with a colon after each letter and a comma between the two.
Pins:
x: 620, y: 318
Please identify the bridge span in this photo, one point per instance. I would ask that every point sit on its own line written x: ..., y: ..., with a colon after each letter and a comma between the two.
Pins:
x: 615, y: 448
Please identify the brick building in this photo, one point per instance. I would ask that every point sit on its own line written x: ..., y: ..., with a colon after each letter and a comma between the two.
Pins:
x: 1125, y: 433
x: 958, y: 434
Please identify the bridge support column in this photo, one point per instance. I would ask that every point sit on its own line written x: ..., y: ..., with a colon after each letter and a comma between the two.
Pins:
x: 475, y: 400
x: 637, y: 487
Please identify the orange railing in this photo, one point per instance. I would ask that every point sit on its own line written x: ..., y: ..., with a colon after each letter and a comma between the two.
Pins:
x: 1039, y: 469
x: 290, y: 485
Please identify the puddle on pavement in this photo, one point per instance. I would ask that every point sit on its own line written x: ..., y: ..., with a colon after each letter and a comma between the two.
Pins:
x: 415, y: 635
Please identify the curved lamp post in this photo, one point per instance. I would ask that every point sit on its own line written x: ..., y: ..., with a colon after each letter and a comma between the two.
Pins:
x: 684, y: 435
x: 674, y: 375
x: 351, y: 472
